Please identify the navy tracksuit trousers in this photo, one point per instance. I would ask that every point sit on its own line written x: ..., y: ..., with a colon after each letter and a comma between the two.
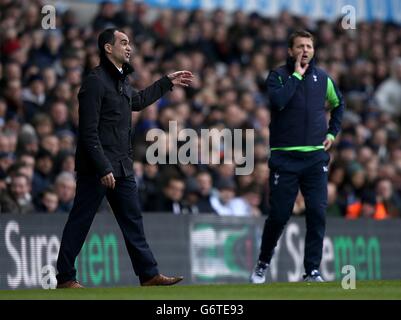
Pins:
x: 289, y: 172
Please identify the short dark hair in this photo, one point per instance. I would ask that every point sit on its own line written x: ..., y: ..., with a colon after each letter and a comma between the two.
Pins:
x: 107, y: 36
x: 174, y: 178
x: 299, y: 34
x: 49, y: 189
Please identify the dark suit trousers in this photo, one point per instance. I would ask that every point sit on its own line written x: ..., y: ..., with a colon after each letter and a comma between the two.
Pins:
x: 290, y: 172
x: 123, y: 200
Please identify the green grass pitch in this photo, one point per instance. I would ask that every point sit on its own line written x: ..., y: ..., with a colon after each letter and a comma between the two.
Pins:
x: 387, y: 290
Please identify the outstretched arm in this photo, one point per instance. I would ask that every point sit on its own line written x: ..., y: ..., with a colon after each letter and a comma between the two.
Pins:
x: 142, y: 99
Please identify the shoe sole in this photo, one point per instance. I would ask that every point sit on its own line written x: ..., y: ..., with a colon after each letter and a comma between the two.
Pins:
x: 162, y: 284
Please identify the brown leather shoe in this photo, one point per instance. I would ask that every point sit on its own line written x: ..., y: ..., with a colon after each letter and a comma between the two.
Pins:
x: 72, y: 284
x: 161, y: 280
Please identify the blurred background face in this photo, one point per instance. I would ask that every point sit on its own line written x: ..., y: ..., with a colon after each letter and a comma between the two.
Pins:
x: 385, y: 189
x: 13, y: 90
x: 304, y: 47
x: 347, y: 154
x: 253, y: 199
x: 50, y: 201
x: 19, y: 187
x: 28, y: 160
x: 331, y: 193
x: 59, y: 113
x: 51, y: 143
x: 358, y: 179
x: 44, y: 165
x: 205, y: 183
x: 175, y: 190
x: 150, y: 170
x: 65, y: 190
x: 13, y: 71
x: 63, y: 91
x: 368, y: 210
x: 67, y: 142
x: 68, y: 164
x: 37, y: 87
x: 5, y: 162
x: 50, y: 78
x: 226, y: 195
x: 27, y: 171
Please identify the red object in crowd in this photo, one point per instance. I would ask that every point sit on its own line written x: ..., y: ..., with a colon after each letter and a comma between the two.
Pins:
x: 354, y: 211
x: 11, y: 46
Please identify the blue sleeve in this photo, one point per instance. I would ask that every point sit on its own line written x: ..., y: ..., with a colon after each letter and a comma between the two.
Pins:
x: 279, y: 93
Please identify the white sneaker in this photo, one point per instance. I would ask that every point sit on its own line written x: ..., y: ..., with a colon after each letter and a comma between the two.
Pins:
x: 314, y: 276
x: 258, y: 275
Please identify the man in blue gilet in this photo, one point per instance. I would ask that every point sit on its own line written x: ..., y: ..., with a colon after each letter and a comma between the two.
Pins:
x: 299, y: 140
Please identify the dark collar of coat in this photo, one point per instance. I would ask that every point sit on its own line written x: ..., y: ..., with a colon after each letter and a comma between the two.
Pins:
x: 112, y: 69
x: 291, y: 64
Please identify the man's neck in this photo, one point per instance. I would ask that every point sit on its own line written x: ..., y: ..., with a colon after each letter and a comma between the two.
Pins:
x: 119, y: 66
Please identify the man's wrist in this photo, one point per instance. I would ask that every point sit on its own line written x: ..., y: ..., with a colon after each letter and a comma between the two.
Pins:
x: 330, y: 137
x: 297, y: 75
x: 169, y: 79
x: 167, y: 82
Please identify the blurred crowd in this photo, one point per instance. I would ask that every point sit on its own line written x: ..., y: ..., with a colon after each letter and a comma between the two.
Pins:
x: 230, y: 55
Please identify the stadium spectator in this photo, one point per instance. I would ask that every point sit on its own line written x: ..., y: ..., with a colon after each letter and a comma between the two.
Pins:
x: 368, y: 206
x: 43, y: 175
x: 222, y: 201
x: 388, y: 93
x: 65, y: 190
x: 391, y: 200
x: 105, y: 18
x: 191, y: 197
x: 48, y: 201
x: 148, y: 187
x: 50, y: 143
x: 6, y: 160
x: 333, y: 206
x: 204, y: 180
x: 171, y: 198
x: 65, y: 162
x: 17, y: 199
x: 43, y: 124
x: 33, y: 96
x: 248, y: 203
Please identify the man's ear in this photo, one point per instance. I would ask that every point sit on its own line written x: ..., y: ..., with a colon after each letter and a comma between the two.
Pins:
x: 107, y: 48
x: 290, y: 52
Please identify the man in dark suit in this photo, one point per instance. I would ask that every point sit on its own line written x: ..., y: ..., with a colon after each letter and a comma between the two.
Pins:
x: 171, y: 198
x: 103, y: 159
